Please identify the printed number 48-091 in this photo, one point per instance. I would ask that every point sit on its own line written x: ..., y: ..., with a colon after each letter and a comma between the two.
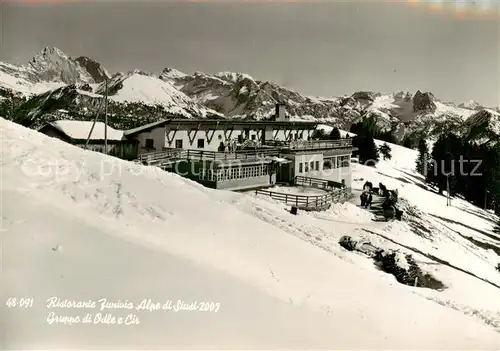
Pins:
x: 12, y: 302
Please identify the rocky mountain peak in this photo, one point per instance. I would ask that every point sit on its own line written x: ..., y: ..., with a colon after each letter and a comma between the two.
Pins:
x: 423, y: 102
x: 48, y: 56
x: 364, y: 95
x: 403, y: 95
x: 171, y: 73
x: 51, y: 64
x: 49, y: 51
x: 141, y: 72
x: 94, y: 68
x: 233, y: 77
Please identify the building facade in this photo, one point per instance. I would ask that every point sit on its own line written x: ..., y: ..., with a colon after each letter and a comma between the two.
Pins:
x: 241, y: 155
x: 222, y: 153
x: 215, y: 135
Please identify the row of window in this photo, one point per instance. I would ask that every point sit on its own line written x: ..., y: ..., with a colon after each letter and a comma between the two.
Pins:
x: 234, y: 173
x: 200, y: 143
x: 343, y: 161
x: 336, y: 162
x: 295, y: 136
x: 308, y: 166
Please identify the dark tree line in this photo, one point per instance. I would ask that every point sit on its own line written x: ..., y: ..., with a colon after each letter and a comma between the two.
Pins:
x: 472, y: 170
x: 366, y: 132
x: 322, y: 135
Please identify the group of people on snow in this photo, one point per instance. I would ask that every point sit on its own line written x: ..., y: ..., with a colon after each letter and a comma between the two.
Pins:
x: 388, y: 206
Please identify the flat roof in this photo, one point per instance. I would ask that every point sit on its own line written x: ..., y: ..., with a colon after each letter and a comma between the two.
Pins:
x: 221, y: 123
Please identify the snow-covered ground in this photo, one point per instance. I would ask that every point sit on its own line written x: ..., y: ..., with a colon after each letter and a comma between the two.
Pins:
x: 298, y: 190
x: 80, y: 225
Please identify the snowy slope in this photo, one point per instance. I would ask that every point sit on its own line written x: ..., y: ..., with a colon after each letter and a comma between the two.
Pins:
x: 450, y: 233
x: 21, y: 80
x: 46, y: 107
x: 96, y: 227
x: 139, y: 87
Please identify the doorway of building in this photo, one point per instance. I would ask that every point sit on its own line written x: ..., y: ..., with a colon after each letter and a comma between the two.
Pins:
x: 283, y: 173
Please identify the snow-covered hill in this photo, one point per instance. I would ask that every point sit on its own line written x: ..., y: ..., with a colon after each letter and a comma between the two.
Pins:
x: 141, y: 87
x: 96, y: 227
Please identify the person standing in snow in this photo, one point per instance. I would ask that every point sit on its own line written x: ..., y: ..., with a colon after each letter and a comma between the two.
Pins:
x: 272, y: 170
x: 366, y: 198
x: 382, y: 189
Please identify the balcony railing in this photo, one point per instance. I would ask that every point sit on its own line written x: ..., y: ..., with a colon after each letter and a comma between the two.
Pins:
x: 312, y: 144
x: 312, y: 202
x: 161, y: 158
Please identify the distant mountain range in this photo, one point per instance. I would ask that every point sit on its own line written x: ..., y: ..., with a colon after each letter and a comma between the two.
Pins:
x: 55, y: 86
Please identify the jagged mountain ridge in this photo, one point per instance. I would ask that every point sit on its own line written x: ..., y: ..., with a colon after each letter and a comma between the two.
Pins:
x: 50, y: 67
x: 239, y: 95
x: 54, y: 86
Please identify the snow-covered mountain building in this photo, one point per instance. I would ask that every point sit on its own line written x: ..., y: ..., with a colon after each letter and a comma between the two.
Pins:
x: 224, y: 153
x: 241, y: 154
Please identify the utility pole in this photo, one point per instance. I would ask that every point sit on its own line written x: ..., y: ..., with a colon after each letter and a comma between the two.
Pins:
x: 106, y: 119
x: 449, y: 158
x: 93, y: 124
x: 448, y: 199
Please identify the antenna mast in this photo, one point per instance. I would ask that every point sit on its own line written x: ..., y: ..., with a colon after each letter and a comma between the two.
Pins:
x: 106, y: 119
x: 93, y: 124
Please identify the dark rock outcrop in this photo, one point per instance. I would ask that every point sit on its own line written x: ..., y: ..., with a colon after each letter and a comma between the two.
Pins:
x: 94, y: 68
x: 364, y: 95
x: 423, y: 102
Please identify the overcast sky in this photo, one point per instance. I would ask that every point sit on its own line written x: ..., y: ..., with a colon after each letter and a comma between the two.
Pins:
x: 322, y: 49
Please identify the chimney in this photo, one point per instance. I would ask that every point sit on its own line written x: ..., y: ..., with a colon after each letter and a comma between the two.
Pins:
x: 280, y: 113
